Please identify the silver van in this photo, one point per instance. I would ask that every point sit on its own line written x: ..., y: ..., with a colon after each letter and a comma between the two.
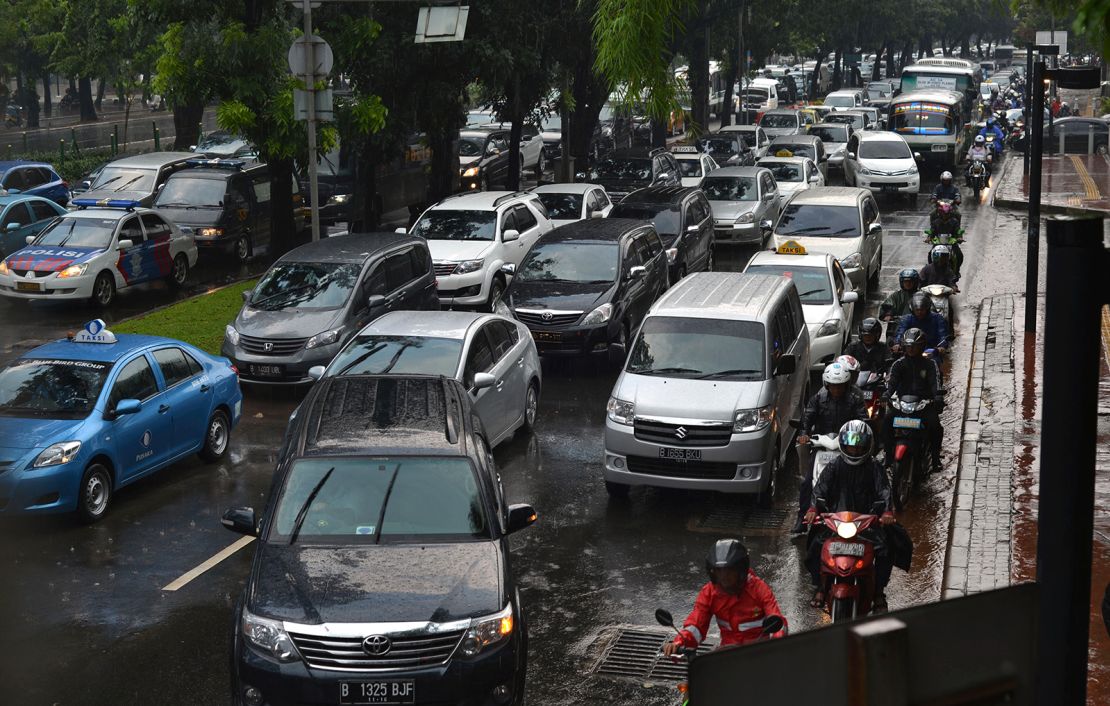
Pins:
x: 718, y: 367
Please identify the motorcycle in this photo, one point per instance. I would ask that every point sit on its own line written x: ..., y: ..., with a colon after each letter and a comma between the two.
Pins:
x: 909, y: 463
x: 847, y: 565
x: 978, y: 176
x: 826, y: 448
x: 939, y: 295
x: 873, y: 384
x: 13, y: 115
x: 1016, y: 138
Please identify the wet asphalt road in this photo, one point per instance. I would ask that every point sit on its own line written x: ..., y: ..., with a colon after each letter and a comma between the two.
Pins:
x: 85, y: 619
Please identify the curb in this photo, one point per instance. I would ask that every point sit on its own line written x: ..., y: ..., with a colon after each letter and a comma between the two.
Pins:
x: 156, y: 309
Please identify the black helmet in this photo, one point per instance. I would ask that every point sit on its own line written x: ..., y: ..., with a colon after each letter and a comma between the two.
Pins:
x: 856, y: 440
x: 728, y: 554
x: 870, y: 325
x: 909, y: 274
x: 920, y: 301
x: 913, y: 337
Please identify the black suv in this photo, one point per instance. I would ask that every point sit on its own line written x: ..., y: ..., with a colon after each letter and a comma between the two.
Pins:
x: 382, y: 571
x: 728, y: 149
x: 585, y: 287
x: 226, y: 203
x: 682, y: 217
x: 623, y: 171
x: 483, y: 157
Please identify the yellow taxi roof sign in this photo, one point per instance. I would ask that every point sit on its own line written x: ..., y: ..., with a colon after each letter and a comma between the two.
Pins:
x: 791, y: 247
x: 784, y: 153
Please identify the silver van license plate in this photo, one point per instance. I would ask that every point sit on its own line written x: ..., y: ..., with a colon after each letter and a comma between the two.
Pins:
x: 680, y: 454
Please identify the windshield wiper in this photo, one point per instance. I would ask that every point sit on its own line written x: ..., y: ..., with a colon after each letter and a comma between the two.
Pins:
x: 812, y: 291
x: 283, y: 293
x: 812, y: 229
x: 664, y: 371
x: 127, y: 183
x: 364, y: 356
x: 733, y: 371
x: 304, y: 508
x: 385, y: 504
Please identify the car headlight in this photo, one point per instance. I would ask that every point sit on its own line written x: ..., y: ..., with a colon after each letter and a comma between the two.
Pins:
x: 268, y: 636
x: 746, y: 217
x: 672, y: 255
x: 598, y: 316
x: 865, y: 171
x: 231, y: 334
x: 853, y: 260
x: 829, y: 328
x: 323, y: 338
x: 4, y: 268
x: 470, y: 172
x: 752, y: 419
x: 620, y: 411
x: 487, y: 631
x: 210, y: 232
x: 912, y: 170
x: 73, y: 271
x: 57, y: 454
x: 467, y: 266
x: 339, y: 199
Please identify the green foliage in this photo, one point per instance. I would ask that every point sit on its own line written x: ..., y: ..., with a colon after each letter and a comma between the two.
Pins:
x: 199, y: 321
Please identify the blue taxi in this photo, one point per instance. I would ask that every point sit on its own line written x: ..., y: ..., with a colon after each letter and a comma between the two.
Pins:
x: 84, y: 416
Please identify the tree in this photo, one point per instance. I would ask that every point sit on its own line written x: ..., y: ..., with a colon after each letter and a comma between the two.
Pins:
x: 84, y: 45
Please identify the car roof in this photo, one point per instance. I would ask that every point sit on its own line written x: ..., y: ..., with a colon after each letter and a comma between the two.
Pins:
x: 933, y: 95
x: 829, y: 195
x: 567, y: 188
x: 751, y: 171
x: 152, y: 160
x: 595, y: 229
x: 437, y: 324
x: 354, y: 248
x: 879, y: 136
x: 126, y: 344
x: 104, y: 212
x: 658, y: 194
x: 708, y: 295
x: 7, y: 164
x: 784, y: 139
x: 6, y: 199
x: 481, y: 200
x: 787, y: 160
x: 770, y: 257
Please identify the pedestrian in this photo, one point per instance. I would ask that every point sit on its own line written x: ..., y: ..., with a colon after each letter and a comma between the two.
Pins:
x: 1055, y: 107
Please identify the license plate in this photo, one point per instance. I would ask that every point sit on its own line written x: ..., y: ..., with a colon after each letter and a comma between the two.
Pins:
x: 889, y: 188
x: 28, y: 287
x: 845, y: 549
x: 940, y: 148
x: 907, y: 423
x: 680, y: 454
x: 377, y: 692
x: 546, y: 336
x: 265, y: 371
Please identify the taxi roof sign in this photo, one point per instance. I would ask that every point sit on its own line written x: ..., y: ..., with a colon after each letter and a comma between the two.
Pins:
x: 95, y: 331
x: 791, y: 247
x: 784, y: 153
x: 685, y: 149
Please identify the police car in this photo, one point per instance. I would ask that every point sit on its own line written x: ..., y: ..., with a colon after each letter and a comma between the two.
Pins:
x: 693, y: 164
x: 84, y: 416
x: 97, y: 250
x: 828, y: 300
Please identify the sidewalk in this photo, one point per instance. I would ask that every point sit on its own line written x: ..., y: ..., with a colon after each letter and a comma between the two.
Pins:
x: 1075, y: 183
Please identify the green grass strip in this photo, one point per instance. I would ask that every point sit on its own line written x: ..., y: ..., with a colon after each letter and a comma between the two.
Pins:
x: 200, y: 320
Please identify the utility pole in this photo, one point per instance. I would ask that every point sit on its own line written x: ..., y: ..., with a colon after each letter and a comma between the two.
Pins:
x: 740, y: 63
x: 310, y: 89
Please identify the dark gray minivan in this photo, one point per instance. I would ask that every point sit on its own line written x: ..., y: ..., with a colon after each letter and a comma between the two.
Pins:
x: 312, y: 300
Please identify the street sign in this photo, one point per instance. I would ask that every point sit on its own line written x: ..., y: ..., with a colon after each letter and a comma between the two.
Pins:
x: 441, y: 24
x: 321, y: 54
x: 324, y: 109
x: 1059, y: 38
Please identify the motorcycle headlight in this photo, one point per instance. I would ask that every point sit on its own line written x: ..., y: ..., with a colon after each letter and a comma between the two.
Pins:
x: 268, y: 636
x: 231, y: 334
x: 487, y: 631
x: 470, y: 172
x: 468, y: 266
x: 599, y: 315
x: 829, y: 328
x: 853, y: 260
x: 672, y: 255
x: 746, y: 217
x: 752, y: 419
x: 73, y: 271
x: 620, y: 411
x: 323, y: 338
x: 846, y: 530
x: 57, y: 454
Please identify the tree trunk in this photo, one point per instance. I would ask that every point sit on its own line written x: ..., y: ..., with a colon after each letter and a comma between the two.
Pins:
x: 186, y: 125
x: 698, y: 73
x: 876, y: 66
x: 659, y: 132
x: 815, y: 79
x: 837, y: 68
x: 516, y: 131
x: 925, y: 48
x: 84, y: 96
x: 726, y: 102
x: 445, y: 163
x: 72, y: 84
x: 100, y: 86
x: 365, y: 207
x: 589, y: 93
x: 965, y: 47
x: 907, y: 55
x: 283, y: 236
x: 46, y: 104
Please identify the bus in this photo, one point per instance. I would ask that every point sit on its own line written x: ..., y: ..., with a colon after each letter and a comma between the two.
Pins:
x: 1003, y: 55
x: 944, y: 74
x: 932, y: 123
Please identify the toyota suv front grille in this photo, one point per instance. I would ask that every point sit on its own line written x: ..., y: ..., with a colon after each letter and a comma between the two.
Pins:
x: 407, y: 651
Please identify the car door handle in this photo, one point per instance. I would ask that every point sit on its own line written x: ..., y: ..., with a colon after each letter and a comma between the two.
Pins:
x: 520, y: 360
x: 205, y: 388
x: 162, y: 409
x: 500, y: 384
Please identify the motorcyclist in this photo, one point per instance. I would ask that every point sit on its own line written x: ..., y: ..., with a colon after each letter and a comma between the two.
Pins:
x: 945, y: 189
x: 735, y: 596
x: 852, y: 366
x: 1065, y: 111
x: 854, y: 482
x: 837, y: 402
x: 940, y: 269
x: 897, y: 303
x: 914, y: 374
x: 945, y: 219
x: 923, y: 317
x: 978, y: 152
x: 992, y: 128
x: 872, y: 354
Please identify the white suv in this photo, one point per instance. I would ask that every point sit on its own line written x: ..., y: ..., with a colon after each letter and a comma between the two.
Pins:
x: 472, y: 235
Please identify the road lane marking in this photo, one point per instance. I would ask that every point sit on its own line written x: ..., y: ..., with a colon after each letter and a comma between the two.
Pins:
x: 207, y: 564
x: 1088, y: 183
x: 1106, y: 334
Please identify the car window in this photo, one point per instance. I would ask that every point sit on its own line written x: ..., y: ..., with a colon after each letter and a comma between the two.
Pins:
x: 690, y: 214
x: 421, y: 262
x: 838, y: 277
x: 525, y: 219
x: 375, y: 281
x: 870, y: 212
x: 479, y: 359
x: 602, y: 199
x: 564, y: 206
x: 508, y: 222
x: 17, y: 215
x: 14, y: 179
x: 194, y: 366
x: 156, y: 228
x: 135, y: 382
x: 262, y: 191
x: 173, y: 365
x: 500, y: 340
x: 42, y: 211
x: 398, y: 271
x: 34, y: 176
x: 631, y: 256
x: 131, y: 230
x: 509, y: 330
x: 655, y: 245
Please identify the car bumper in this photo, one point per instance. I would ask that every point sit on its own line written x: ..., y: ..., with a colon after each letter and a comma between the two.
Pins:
x: 574, y: 340
x: 857, y: 276
x: 50, y: 287
x: 836, y: 160
x: 733, y: 233
x: 905, y: 183
x: 462, y: 290
x: 40, y: 491
x: 742, y: 466
x: 458, y: 681
x: 292, y: 369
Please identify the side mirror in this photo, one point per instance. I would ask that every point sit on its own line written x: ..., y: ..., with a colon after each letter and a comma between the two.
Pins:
x: 127, y: 406
x: 849, y: 298
x: 692, y: 228
x: 247, y: 295
x: 787, y: 364
x: 815, y: 179
x: 766, y: 224
x: 12, y: 226
x: 663, y: 176
x: 637, y: 272
x: 917, y: 156
x: 402, y: 231
x: 664, y: 618
x: 86, y: 185
x: 483, y: 380
x: 851, y: 155
x: 125, y: 244
x: 521, y: 516
x: 580, y: 176
x: 510, y: 235
x: 375, y: 300
x: 241, y: 520
x: 874, y: 228
x: 317, y: 371
x: 509, y: 269
x: 597, y: 214
x: 30, y: 239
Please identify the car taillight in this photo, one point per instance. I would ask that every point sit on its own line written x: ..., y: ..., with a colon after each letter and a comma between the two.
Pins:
x: 65, y: 184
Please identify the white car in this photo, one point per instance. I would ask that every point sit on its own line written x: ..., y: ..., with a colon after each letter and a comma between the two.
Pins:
x: 91, y: 253
x: 471, y: 235
x: 881, y: 161
x: 754, y: 137
x: 792, y: 174
x: 567, y: 203
x: 693, y: 164
x: 828, y: 301
x: 532, y: 155
x: 835, y: 138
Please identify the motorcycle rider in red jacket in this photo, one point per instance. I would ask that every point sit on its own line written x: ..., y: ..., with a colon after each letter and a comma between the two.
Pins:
x: 737, y: 598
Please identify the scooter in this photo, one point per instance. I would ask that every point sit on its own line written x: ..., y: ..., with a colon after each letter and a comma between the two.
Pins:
x: 825, y: 447
x: 911, y: 446
x: 847, y: 565
x: 939, y: 295
x: 978, y: 176
x: 872, y: 384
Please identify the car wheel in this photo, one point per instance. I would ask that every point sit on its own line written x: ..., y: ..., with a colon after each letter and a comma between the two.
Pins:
x: 616, y: 490
x: 531, y: 407
x: 95, y: 493
x: 709, y: 261
x: 217, y: 437
x: 873, y: 281
x: 485, y: 185
x: 242, y: 249
x: 766, y: 498
x: 104, y: 290
x: 496, y: 291
x: 179, y: 272
x: 541, y: 166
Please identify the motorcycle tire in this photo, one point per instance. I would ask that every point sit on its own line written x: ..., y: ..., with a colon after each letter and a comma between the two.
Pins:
x: 902, y: 481
x: 842, y: 609
x: 977, y: 191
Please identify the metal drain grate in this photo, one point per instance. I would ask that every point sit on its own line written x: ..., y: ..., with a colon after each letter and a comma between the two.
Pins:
x: 635, y: 654
x: 732, y: 517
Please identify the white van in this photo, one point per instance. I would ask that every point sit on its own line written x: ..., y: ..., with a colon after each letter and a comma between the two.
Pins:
x: 772, y: 87
x: 846, y: 99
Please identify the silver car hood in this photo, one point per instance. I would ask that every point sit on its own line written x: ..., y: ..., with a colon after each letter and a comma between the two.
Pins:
x: 688, y: 400
x: 730, y: 210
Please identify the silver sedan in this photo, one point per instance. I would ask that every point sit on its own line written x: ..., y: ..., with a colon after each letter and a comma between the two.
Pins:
x: 494, y: 357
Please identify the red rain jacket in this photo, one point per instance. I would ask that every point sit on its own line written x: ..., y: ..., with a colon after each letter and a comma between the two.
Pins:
x: 739, y: 617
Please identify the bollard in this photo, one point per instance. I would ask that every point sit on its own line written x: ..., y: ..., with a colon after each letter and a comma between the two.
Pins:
x: 115, y: 140
x: 1061, y: 144
x: 200, y: 132
x: 25, y: 142
x: 1090, y: 139
x: 157, y: 138
x: 62, y: 149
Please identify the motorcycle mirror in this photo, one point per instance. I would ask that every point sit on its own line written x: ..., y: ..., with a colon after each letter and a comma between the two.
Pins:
x: 664, y: 617
x: 772, y: 624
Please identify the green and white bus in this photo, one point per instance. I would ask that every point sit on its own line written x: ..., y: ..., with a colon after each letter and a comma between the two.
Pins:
x: 932, y: 123
x: 944, y: 74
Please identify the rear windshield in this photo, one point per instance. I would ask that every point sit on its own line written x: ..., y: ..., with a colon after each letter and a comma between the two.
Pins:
x: 377, y: 354
x: 563, y: 207
x: 811, y: 220
x: 623, y: 169
x: 726, y: 146
x: 813, y: 283
x: 689, y: 167
x: 778, y: 120
x: 830, y: 133
x: 840, y: 101
x: 783, y: 149
x: 784, y: 171
x: 701, y: 349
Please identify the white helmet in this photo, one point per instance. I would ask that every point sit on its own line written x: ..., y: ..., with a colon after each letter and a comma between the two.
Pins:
x: 835, y: 374
x: 849, y: 362
x: 979, y: 139
x: 939, y: 250
x: 946, y: 176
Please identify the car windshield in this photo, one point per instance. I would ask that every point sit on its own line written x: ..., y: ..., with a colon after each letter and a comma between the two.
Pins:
x: 922, y: 119
x: 708, y: 349
x: 79, y: 232
x: 840, y: 101
x: 52, y: 389
x: 552, y: 123
x: 844, y: 119
x: 784, y: 171
x: 448, y: 224
x: 124, y: 179
x: 623, y: 169
x: 378, y: 354
x: 884, y: 149
x: 666, y: 218
x: 305, y: 285
x: 365, y: 500
x: 778, y: 120
x: 182, y: 191
x: 730, y: 188
x: 562, y: 207
x: 719, y: 145
x: 816, y: 220
x: 783, y: 149
x: 813, y: 283
x: 828, y: 133
x: 471, y: 147
x: 754, y: 96
x: 584, y: 262
x: 689, y: 167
